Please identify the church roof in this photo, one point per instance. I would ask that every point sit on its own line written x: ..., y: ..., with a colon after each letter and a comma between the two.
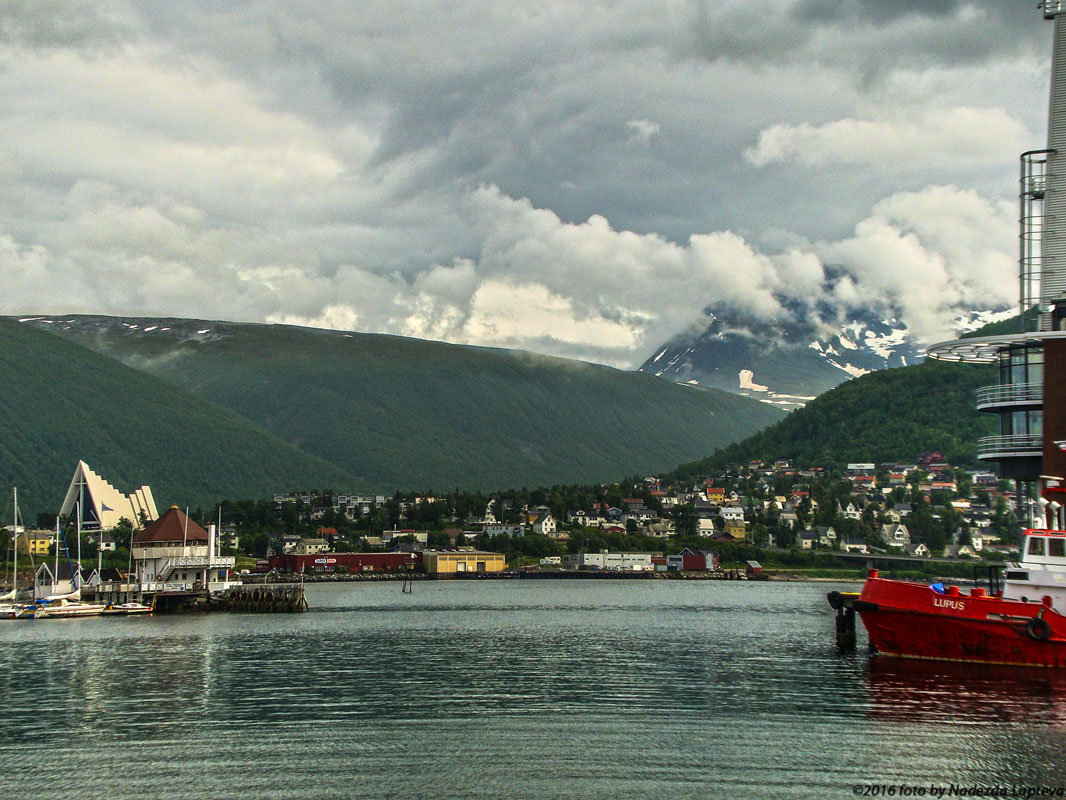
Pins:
x: 173, y: 526
x: 104, y: 504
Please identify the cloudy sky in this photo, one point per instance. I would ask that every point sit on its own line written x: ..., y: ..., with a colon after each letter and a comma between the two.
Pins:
x: 573, y: 178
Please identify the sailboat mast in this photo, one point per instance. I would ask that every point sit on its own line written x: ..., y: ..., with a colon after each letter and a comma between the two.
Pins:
x: 55, y: 575
x: 15, y: 569
x: 79, y: 552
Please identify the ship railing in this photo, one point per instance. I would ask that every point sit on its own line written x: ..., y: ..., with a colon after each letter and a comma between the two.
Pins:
x: 1007, y: 446
x: 1009, y: 394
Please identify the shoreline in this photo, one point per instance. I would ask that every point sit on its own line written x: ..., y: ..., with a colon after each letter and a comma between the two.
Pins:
x: 784, y: 577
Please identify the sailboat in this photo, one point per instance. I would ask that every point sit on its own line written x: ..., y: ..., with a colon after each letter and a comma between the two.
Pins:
x: 61, y: 606
x: 8, y: 605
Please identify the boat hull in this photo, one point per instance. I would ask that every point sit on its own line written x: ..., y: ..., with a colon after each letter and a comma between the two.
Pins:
x: 68, y: 611
x: 911, y: 620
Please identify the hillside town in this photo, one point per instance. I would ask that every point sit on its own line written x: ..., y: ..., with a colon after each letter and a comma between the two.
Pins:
x: 927, y: 508
x: 772, y: 511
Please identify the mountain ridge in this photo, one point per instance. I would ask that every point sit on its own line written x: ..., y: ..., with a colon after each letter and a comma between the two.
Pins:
x: 408, y: 413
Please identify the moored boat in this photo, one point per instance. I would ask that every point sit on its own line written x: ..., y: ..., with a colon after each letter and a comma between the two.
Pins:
x: 126, y: 609
x: 62, y: 608
x: 1023, y: 623
x: 916, y: 620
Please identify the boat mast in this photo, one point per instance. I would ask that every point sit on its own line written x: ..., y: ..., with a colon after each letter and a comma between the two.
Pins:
x: 55, y: 575
x: 15, y: 568
x: 79, y: 553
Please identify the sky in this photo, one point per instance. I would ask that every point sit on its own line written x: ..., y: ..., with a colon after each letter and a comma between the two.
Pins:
x: 580, y: 179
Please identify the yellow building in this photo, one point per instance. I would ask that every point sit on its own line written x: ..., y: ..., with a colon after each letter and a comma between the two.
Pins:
x: 35, y: 542
x: 736, y: 529
x: 451, y: 562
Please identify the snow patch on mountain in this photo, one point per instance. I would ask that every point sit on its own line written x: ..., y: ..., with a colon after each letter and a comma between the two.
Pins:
x: 747, y: 382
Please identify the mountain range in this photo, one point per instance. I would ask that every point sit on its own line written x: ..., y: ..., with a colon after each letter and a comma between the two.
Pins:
x: 791, y: 361
x: 347, y: 411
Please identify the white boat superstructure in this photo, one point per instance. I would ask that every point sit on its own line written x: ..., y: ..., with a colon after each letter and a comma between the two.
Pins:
x: 1041, y: 571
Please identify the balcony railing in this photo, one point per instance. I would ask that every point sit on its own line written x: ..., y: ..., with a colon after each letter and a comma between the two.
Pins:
x: 1010, y: 394
x: 1021, y: 446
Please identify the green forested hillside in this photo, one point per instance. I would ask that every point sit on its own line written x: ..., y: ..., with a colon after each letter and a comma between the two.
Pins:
x: 399, y: 412
x: 883, y: 416
x: 60, y: 402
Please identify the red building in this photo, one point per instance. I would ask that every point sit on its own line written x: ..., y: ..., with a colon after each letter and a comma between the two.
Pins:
x: 329, y: 562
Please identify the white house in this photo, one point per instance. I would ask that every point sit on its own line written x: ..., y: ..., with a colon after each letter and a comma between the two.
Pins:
x: 545, y: 524
x: 310, y: 547
x: 176, y: 554
x: 732, y: 514
x: 895, y: 535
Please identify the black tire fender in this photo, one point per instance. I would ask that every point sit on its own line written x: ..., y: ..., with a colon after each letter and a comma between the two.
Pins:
x: 1038, y: 629
x: 836, y: 600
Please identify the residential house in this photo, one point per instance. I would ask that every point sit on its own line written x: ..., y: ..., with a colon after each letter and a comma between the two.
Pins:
x: 641, y: 514
x: 850, y: 512
x: 660, y: 529
x: 499, y: 529
x: 827, y: 535
x: 738, y: 529
x: 309, y: 547
x: 853, y: 545
x: 895, y: 535
x: 919, y: 550
x: 35, y: 542
x: 732, y: 514
x: 788, y: 516
x: 389, y: 537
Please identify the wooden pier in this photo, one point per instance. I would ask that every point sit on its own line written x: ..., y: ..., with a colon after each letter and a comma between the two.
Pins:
x: 265, y: 599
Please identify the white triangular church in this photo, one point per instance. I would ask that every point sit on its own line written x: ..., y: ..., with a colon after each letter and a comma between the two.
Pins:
x: 102, y: 504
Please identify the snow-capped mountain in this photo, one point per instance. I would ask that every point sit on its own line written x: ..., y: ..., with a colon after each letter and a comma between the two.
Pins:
x: 790, y: 362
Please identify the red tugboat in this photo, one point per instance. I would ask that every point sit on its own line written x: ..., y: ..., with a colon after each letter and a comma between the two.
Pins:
x: 1019, y: 625
x: 1023, y: 623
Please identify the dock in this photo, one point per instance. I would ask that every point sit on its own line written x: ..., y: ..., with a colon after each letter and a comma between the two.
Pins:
x: 265, y: 599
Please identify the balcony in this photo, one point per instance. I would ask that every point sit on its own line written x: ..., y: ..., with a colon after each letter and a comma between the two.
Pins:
x: 1022, y: 446
x: 1010, y: 395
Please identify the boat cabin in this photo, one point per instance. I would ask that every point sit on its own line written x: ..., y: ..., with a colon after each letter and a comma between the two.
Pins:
x: 1042, y: 570
x: 1045, y: 547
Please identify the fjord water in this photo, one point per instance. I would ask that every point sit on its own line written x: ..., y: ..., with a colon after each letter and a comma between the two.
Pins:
x: 508, y: 689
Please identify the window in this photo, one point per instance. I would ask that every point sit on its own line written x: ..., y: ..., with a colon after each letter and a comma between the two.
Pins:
x: 1056, y: 547
x: 1036, y: 546
x: 1020, y: 365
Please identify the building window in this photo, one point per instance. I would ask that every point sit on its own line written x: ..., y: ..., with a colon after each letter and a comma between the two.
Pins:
x: 1021, y: 365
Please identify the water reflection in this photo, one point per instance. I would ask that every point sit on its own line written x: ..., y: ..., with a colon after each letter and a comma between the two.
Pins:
x: 913, y: 690
x: 520, y: 690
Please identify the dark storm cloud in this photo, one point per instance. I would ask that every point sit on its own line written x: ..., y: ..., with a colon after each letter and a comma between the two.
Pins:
x: 58, y: 23
x: 580, y: 178
x: 878, y: 11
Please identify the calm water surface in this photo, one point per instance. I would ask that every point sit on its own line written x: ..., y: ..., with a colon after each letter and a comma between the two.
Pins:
x: 507, y: 689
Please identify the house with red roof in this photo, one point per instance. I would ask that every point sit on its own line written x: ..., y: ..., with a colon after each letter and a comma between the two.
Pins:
x: 174, y: 554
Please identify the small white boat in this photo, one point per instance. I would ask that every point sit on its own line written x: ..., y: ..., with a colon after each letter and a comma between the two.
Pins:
x: 62, y: 608
x: 127, y: 609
